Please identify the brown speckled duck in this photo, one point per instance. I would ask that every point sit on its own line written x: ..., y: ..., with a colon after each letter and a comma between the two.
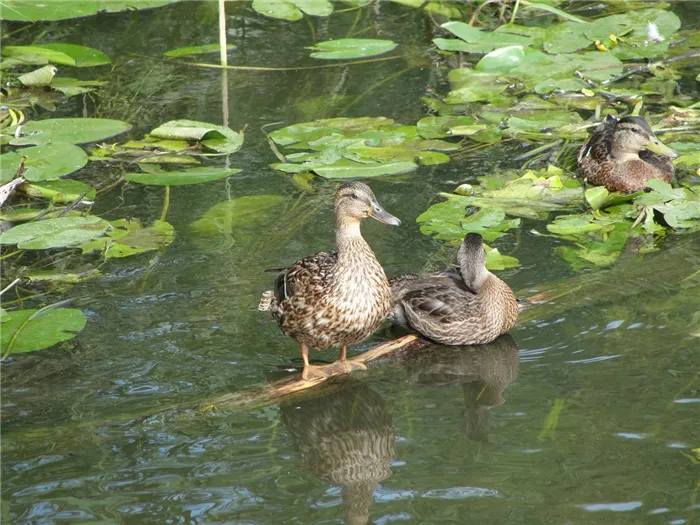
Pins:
x: 462, y: 306
x: 335, y: 298
x: 623, y: 155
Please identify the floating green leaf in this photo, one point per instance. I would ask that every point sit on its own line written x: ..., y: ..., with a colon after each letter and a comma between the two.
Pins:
x: 292, y: 10
x: 446, y: 9
x: 30, y: 330
x: 60, y: 191
x: 55, y: 233
x: 62, y: 54
x: 35, y: 10
x: 196, y: 50
x: 449, y: 220
x: 181, y: 178
x: 502, y: 60
x: 473, y: 40
x: 218, y: 138
x: 346, y: 48
x: 128, y: 237
x: 71, y: 130
x: 41, y: 77
x: 356, y: 148
x: 45, y: 162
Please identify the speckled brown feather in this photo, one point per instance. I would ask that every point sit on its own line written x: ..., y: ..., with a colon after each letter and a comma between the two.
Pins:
x: 598, y: 165
x: 334, y: 298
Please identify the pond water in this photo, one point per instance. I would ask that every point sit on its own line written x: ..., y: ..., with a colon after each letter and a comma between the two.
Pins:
x: 582, y: 415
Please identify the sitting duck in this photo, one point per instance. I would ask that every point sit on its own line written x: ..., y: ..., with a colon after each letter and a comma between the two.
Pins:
x: 462, y: 306
x: 623, y: 155
x: 335, y: 298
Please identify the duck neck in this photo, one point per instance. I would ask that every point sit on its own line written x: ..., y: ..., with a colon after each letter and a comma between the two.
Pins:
x: 475, y: 278
x: 623, y: 155
x: 348, y: 237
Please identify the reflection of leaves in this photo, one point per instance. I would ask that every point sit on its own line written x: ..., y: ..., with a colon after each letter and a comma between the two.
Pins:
x: 54, y: 233
x: 351, y: 48
x: 36, y: 330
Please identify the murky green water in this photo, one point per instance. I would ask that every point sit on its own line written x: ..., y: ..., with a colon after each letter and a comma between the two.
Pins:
x: 581, y: 416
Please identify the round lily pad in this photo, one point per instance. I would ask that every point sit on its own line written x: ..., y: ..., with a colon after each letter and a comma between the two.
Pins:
x: 71, y: 130
x: 45, y: 162
x: 55, y: 233
x: 344, y: 48
x: 30, y: 330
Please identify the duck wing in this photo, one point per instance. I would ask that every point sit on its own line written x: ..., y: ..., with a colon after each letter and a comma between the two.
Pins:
x: 599, y: 145
x: 309, y: 276
x: 439, y: 303
x: 660, y: 162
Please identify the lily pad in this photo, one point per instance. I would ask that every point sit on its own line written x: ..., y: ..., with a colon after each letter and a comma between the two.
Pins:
x: 62, y: 54
x: 502, y: 60
x: 218, y: 138
x: 41, y: 77
x: 196, y: 50
x: 73, y: 86
x: 356, y: 148
x: 35, y: 10
x: 30, y: 330
x: 473, y: 40
x: 449, y: 220
x: 438, y: 7
x: 127, y: 237
x: 292, y: 10
x: 345, y: 48
x: 45, y: 162
x: 181, y: 178
x: 55, y: 233
x: 71, y: 130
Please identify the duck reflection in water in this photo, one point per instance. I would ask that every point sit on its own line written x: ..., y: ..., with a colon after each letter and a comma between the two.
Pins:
x: 484, y: 371
x: 345, y: 436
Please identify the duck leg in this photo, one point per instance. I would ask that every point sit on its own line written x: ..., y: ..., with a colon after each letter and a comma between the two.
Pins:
x: 312, y: 372
x: 347, y: 366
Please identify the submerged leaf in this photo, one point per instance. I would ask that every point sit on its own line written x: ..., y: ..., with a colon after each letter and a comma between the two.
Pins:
x: 228, y: 216
x: 196, y: 50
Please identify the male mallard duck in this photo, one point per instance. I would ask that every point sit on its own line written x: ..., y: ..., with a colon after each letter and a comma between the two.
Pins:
x: 623, y: 155
x: 335, y: 298
x: 463, y: 306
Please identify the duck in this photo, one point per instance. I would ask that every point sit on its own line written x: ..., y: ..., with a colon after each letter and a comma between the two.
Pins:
x: 467, y: 305
x: 624, y: 154
x: 335, y: 298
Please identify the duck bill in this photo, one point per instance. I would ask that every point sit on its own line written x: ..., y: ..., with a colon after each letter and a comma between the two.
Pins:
x: 656, y: 146
x: 384, y: 216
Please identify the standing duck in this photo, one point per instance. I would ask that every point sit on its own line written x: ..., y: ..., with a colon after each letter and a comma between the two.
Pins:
x: 623, y: 155
x: 335, y: 298
x: 462, y: 306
